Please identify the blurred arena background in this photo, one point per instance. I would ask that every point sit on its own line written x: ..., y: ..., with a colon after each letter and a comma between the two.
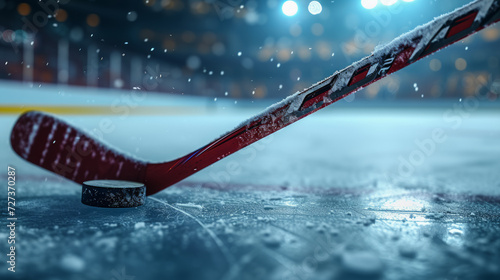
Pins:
x: 234, y: 48
x: 161, y: 78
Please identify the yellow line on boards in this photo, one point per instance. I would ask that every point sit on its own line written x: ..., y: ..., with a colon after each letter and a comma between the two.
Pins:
x: 101, y: 110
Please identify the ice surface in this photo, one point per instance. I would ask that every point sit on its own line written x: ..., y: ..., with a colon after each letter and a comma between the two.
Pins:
x: 190, y: 205
x: 320, y: 200
x: 362, y: 263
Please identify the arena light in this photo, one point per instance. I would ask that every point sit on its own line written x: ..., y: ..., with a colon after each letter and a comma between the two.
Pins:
x: 388, y: 2
x: 408, y: 0
x: 369, y: 4
x: 315, y: 7
x: 290, y: 8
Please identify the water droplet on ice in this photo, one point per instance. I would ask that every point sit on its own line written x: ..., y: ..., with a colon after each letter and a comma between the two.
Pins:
x: 239, y: 53
x: 280, y: 86
x: 271, y: 241
x: 466, y: 48
x: 455, y: 231
x: 362, y: 263
x: 278, y: 65
x: 407, y: 251
x: 298, y: 78
x: 72, y: 263
x: 139, y: 225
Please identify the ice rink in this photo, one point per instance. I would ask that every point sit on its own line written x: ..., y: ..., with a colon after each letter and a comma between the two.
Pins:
x: 356, y: 191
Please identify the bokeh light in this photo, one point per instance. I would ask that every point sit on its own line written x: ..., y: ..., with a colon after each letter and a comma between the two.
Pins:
x: 93, y: 20
x: 24, y: 9
x: 369, y: 4
x: 435, y: 64
x: 460, y: 64
x: 290, y: 8
x: 315, y: 8
x: 61, y: 15
x: 388, y: 2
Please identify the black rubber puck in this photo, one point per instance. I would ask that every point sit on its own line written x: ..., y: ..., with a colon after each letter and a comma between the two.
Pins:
x: 113, y: 193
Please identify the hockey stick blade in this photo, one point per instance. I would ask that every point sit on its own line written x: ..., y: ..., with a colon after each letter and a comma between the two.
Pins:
x: 59, y: 147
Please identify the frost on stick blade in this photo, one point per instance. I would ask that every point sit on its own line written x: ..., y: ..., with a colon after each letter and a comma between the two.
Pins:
x: 58, y: 147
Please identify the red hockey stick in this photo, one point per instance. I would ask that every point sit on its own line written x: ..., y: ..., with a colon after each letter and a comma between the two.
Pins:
x: 65, y: 150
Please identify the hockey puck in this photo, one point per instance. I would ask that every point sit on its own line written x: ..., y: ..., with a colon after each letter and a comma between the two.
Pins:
x: 113, y: 193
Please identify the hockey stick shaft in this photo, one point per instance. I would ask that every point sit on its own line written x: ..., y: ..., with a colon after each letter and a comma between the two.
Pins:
x: 401, y: 52
x: 63, y: 149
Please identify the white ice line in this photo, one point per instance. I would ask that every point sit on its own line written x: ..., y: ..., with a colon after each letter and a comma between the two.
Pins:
x: 31, y: 138
x: 284, y: 261
x: 63, y: 143
x: 190, y: 205
x: 49, y: 142
x: 229, y: 258
x: 120, y: 165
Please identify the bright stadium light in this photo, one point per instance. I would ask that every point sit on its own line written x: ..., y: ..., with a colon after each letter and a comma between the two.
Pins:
x: 388, y: 2
x: 289, y: 8
x: 315, y: 7
x: 408, y: 0
x: 369, y: 4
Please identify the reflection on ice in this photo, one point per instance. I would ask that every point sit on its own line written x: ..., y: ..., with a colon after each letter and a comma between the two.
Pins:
x: 291, y: 202
x: 455, y: 235
x: 406, y: 204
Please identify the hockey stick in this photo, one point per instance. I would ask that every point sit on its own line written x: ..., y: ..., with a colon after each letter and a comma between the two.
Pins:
x: 57, y: 146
